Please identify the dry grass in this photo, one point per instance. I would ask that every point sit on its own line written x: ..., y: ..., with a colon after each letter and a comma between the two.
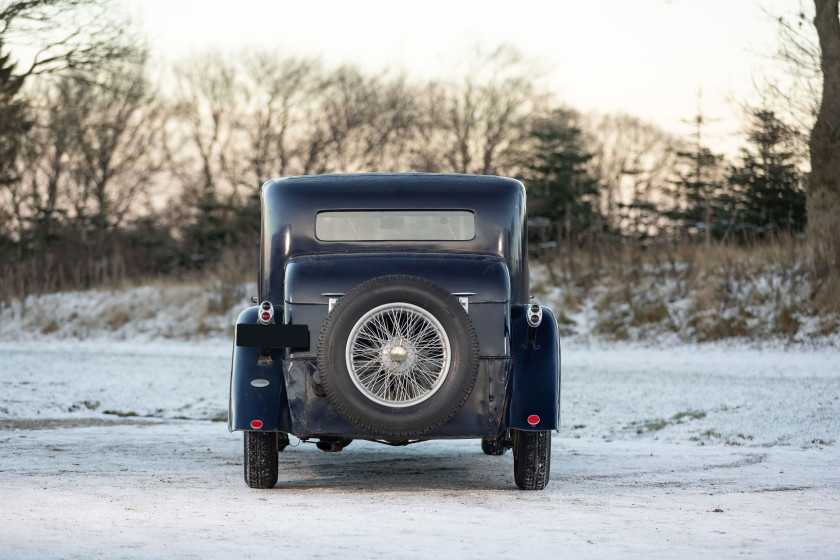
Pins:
x: 778, y: 289
x: 234, y: 267
x: 768, y: 290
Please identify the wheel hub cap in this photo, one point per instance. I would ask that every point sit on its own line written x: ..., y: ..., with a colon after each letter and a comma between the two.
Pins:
x: 398, y: 354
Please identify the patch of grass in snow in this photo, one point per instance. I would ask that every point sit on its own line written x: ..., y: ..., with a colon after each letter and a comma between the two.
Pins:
x: 650, y: 311
x: 737, y: 440
x: 84, y: 405
x: 565, y: 324
x: 680, y: 417
x: 118, y: 318
x: 227, y: 279
x: 827, y: 326
x: 121, y: 414
x: 658, y: 424
x: 613, y: 324
x: 14, y: 424
x: 652, y: 426
x: 786, y: 322
x: 713, y: 325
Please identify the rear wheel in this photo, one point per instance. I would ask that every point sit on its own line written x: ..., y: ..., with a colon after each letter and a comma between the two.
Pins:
x: 282, y: 441
x: 261, y: 459
x: 531, y: 459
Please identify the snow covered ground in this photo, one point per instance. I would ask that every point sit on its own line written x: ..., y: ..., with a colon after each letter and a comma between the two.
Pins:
x: 117, y: 449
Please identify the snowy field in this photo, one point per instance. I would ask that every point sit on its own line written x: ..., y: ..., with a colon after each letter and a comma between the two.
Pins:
x: 117, y: 449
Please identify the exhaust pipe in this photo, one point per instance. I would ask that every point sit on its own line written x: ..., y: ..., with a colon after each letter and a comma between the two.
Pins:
x: 332, y: 444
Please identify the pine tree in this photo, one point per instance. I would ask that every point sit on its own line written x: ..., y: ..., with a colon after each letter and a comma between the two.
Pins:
x: 559, y: 186
x: 698, y: 191
x: 9, y: 82
x: 13, y: 121
x: 769, y: 191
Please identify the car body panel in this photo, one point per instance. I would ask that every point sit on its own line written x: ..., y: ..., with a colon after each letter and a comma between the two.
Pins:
x: 535, y: 388
x: 264, y: 400
x: 311, y: 282
x: 482, y: 415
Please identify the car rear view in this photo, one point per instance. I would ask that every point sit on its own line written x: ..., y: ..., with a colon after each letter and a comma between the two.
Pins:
x: 395, y: 308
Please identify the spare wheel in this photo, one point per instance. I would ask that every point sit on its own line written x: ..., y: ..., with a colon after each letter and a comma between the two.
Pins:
x: 398, y: 356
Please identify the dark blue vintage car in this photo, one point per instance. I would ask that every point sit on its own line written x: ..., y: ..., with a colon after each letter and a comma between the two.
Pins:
x: 395, y: 308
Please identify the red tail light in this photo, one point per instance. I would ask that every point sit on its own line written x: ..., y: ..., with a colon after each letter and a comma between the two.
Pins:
x: 256, y: 424
x: 533, y: 420
x: 266, y: 316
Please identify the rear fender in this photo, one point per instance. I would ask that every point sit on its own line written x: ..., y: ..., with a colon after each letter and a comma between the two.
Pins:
x: 257, y: 390
x: 535, y: 387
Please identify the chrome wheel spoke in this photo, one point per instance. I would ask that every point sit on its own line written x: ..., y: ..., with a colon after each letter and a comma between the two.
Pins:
x: 398, y: 354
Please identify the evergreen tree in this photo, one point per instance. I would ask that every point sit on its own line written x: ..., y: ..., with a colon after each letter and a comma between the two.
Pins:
x: 559, y: 187
x: 769, y: 190
x: 13, y: 118
x: 9, y: 83
x: 700, y: 200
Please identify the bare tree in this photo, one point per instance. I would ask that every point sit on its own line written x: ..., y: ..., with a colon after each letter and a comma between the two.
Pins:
x: 486, y: 112
x: 279, y: 92
x: 207, y: 111
x: 92, y: 151
x: 207, y: 148
x: 390, y: 132
x: 67, y: 37
x: 824, y: 185
x: 426, y: 151
x: 47, y: 160
x: 118, y: 143
x: 369, y: 120
x: 66, y: 34
x: 632, y: 160
x: 796, y: 88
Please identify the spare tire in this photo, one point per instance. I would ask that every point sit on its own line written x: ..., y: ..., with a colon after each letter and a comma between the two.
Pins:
x: 398, y: 356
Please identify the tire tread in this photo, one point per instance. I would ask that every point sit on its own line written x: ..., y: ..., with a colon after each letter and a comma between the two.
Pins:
x: 261, y: 469
x: 531, y: 459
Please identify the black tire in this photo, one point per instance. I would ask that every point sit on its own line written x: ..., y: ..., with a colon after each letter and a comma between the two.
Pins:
x: 282, y: 441
x: 261, y: 459
x: 531, y: 459
x: 494, y: 446
x: 406, y: 420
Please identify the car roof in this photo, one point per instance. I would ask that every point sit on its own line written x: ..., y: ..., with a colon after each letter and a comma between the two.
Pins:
x: 393, y: 190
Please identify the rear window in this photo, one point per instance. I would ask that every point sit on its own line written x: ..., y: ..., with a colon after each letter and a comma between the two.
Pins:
x: 395, y: 225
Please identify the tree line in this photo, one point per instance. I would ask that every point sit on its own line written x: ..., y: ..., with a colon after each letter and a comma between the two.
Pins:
x: 110, y: 168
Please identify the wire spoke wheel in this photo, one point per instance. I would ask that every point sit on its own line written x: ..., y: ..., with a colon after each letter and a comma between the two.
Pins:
x: 398, y: 355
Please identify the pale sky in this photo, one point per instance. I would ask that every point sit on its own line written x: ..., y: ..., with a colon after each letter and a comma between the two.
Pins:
x: 648, y: 58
